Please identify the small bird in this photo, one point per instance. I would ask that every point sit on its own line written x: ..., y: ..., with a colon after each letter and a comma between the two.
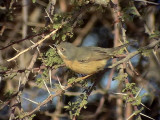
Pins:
x: 86, y: 60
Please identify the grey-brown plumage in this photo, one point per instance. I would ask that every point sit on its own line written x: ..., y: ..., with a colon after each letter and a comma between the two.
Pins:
x: 86, y: 60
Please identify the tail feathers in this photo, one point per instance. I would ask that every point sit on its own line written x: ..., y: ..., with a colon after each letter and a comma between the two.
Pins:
x: 115, y: 50
x: 125, y: 45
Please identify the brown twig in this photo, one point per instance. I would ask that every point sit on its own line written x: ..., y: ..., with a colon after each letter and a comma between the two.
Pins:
x: 50, y: 97
x: 85, y: 30
x: 18, y: 41
x: 141, y: 50
x: 35, y: 45
x: 59, y: 92
x: 149, y: 2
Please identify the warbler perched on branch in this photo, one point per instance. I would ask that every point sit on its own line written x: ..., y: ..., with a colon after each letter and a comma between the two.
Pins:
x: 86, y: 60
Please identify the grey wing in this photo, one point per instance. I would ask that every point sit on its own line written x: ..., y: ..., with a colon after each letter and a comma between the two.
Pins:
x: 101, y: 53
x: 98, y: 53
x: 93, y: 54
x: 83, y: 56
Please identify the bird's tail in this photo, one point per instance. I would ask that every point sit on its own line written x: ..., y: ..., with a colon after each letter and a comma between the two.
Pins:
x: 119, y: 50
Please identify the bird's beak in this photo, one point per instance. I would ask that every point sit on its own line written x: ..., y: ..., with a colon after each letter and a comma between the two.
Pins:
x: 55, y: 45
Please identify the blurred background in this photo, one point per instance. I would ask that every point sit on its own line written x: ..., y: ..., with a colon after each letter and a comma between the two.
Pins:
x: 29, y: 79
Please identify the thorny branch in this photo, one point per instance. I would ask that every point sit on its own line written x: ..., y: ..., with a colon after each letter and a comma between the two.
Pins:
x: 131, y: 55
x: 59, y: 92
x: 35, y: 45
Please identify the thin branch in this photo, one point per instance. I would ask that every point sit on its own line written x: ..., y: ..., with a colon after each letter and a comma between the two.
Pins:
x: 130, y: 116
x: 61, y: 86
x: 30, y: 100
x: 36, y: 44
x: 138, y: 93
x: 46, y: 87
x: 131, y: 55
x: 50, y: 97
x: 146, y: 116
x: 50, y: 77
x: 49, y: 16
x: 18, y: 41
x: 145, y: 1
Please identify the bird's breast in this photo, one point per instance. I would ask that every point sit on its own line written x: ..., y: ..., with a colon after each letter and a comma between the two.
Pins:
x: 86, y: 67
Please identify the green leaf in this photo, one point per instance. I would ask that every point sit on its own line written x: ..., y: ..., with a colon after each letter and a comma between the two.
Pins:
x: 156, y: 34
x: 146, y: 53
x: 3, y: 68
x: 121, y: 77
x: 129, y: 13
x: 34, y: 1
x: 12, y: 75
x: 56, y: 26
x: 63, y: 37
x: 52, y: 58
x: 71, y: 80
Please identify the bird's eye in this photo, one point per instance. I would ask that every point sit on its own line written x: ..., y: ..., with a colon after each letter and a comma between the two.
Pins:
x: 62, y: 49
